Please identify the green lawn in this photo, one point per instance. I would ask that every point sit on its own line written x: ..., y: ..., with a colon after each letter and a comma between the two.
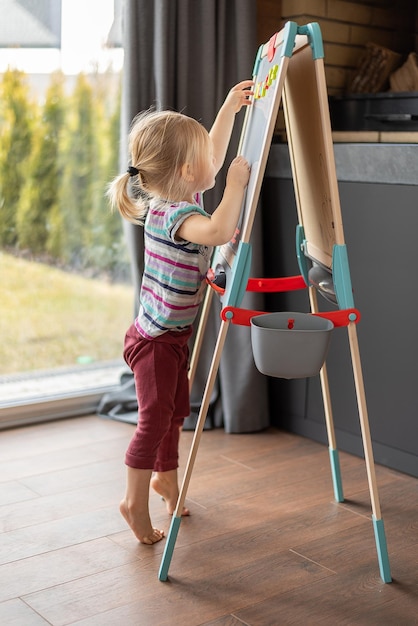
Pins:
x: 51, y: 318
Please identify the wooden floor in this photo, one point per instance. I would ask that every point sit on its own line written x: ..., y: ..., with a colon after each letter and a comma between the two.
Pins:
x: 266, y: 544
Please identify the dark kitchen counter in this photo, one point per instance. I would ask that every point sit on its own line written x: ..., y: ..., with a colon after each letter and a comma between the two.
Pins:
x: 390, y: 163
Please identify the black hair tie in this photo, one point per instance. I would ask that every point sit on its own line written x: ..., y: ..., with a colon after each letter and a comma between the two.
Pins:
x: 132, y: 171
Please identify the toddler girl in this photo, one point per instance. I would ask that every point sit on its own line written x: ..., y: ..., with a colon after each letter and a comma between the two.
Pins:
x: 173, y: 160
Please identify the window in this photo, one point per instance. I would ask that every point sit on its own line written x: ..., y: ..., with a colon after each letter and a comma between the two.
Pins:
x: 64, y: 269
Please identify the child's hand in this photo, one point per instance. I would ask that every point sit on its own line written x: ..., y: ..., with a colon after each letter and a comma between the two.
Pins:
x: 240, y: 95
x: 238, y: 172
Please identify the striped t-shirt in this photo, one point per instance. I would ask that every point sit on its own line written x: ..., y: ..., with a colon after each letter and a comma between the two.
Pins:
x: 174, y: 271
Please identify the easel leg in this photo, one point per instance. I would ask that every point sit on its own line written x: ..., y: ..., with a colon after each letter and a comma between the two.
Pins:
x: 332, y: 446
x: 175, y: 522
x: 326, y: 396
x: 197, y: 346
x: 378, y: 526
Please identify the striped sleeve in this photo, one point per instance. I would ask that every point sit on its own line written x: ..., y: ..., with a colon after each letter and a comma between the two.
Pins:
x: 179, y: 215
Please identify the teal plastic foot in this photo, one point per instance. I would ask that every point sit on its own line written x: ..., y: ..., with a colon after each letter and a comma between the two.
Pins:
x: 169, y: 548
x: 382, y: 551
x: 336, y: 475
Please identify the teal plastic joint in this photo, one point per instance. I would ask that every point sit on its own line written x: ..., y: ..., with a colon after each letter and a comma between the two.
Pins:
x: 341, y: 277
x: 169, y: 548
x: 300, y: 255
x: 240, y: 274
x: 289, y: 35
x: 257, y: 61
x: 336, y: 475
x: 382, y: 551
x: 313, y: 33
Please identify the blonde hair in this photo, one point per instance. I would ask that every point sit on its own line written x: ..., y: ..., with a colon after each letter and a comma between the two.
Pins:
x: 160, y: 143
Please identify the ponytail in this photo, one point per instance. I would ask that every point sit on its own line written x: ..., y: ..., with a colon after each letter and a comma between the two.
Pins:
x: 133, y: 209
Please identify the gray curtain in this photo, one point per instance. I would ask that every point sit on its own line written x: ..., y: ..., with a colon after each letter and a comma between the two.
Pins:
x: 185, y: 55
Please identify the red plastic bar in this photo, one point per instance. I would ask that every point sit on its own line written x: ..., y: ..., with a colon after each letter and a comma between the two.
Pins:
x: 242, y: 317
x: 264, y: 285
x: 270, y: 285
x: 238, y: 316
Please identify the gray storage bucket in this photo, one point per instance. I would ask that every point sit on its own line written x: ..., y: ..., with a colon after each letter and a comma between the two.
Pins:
x: 290, y: 345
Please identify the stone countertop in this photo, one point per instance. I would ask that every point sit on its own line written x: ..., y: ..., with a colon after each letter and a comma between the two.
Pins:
x: 388, y: 163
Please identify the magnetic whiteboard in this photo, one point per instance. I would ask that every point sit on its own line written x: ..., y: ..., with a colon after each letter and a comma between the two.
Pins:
x: 257, y: 133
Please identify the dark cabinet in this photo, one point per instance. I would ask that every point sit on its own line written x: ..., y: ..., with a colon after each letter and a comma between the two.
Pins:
x: 380, y: 226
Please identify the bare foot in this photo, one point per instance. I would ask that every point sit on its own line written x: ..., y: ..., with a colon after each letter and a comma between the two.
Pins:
x: 165, y: 484
x: 140, y: 525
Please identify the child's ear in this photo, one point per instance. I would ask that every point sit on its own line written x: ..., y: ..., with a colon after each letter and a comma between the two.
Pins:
x: 187, y: 173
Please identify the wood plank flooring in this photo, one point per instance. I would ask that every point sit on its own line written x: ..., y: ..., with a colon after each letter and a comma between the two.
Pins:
x: 266, y: 544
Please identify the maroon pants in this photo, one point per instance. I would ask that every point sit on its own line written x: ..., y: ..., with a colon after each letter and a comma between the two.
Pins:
x: 160, y: 368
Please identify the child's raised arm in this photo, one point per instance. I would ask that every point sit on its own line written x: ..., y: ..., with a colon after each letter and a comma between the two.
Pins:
x: 220, y: 133
x: 219, y: 228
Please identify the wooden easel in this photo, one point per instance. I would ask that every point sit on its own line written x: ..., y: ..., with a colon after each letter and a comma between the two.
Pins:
x: 289, y: 65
